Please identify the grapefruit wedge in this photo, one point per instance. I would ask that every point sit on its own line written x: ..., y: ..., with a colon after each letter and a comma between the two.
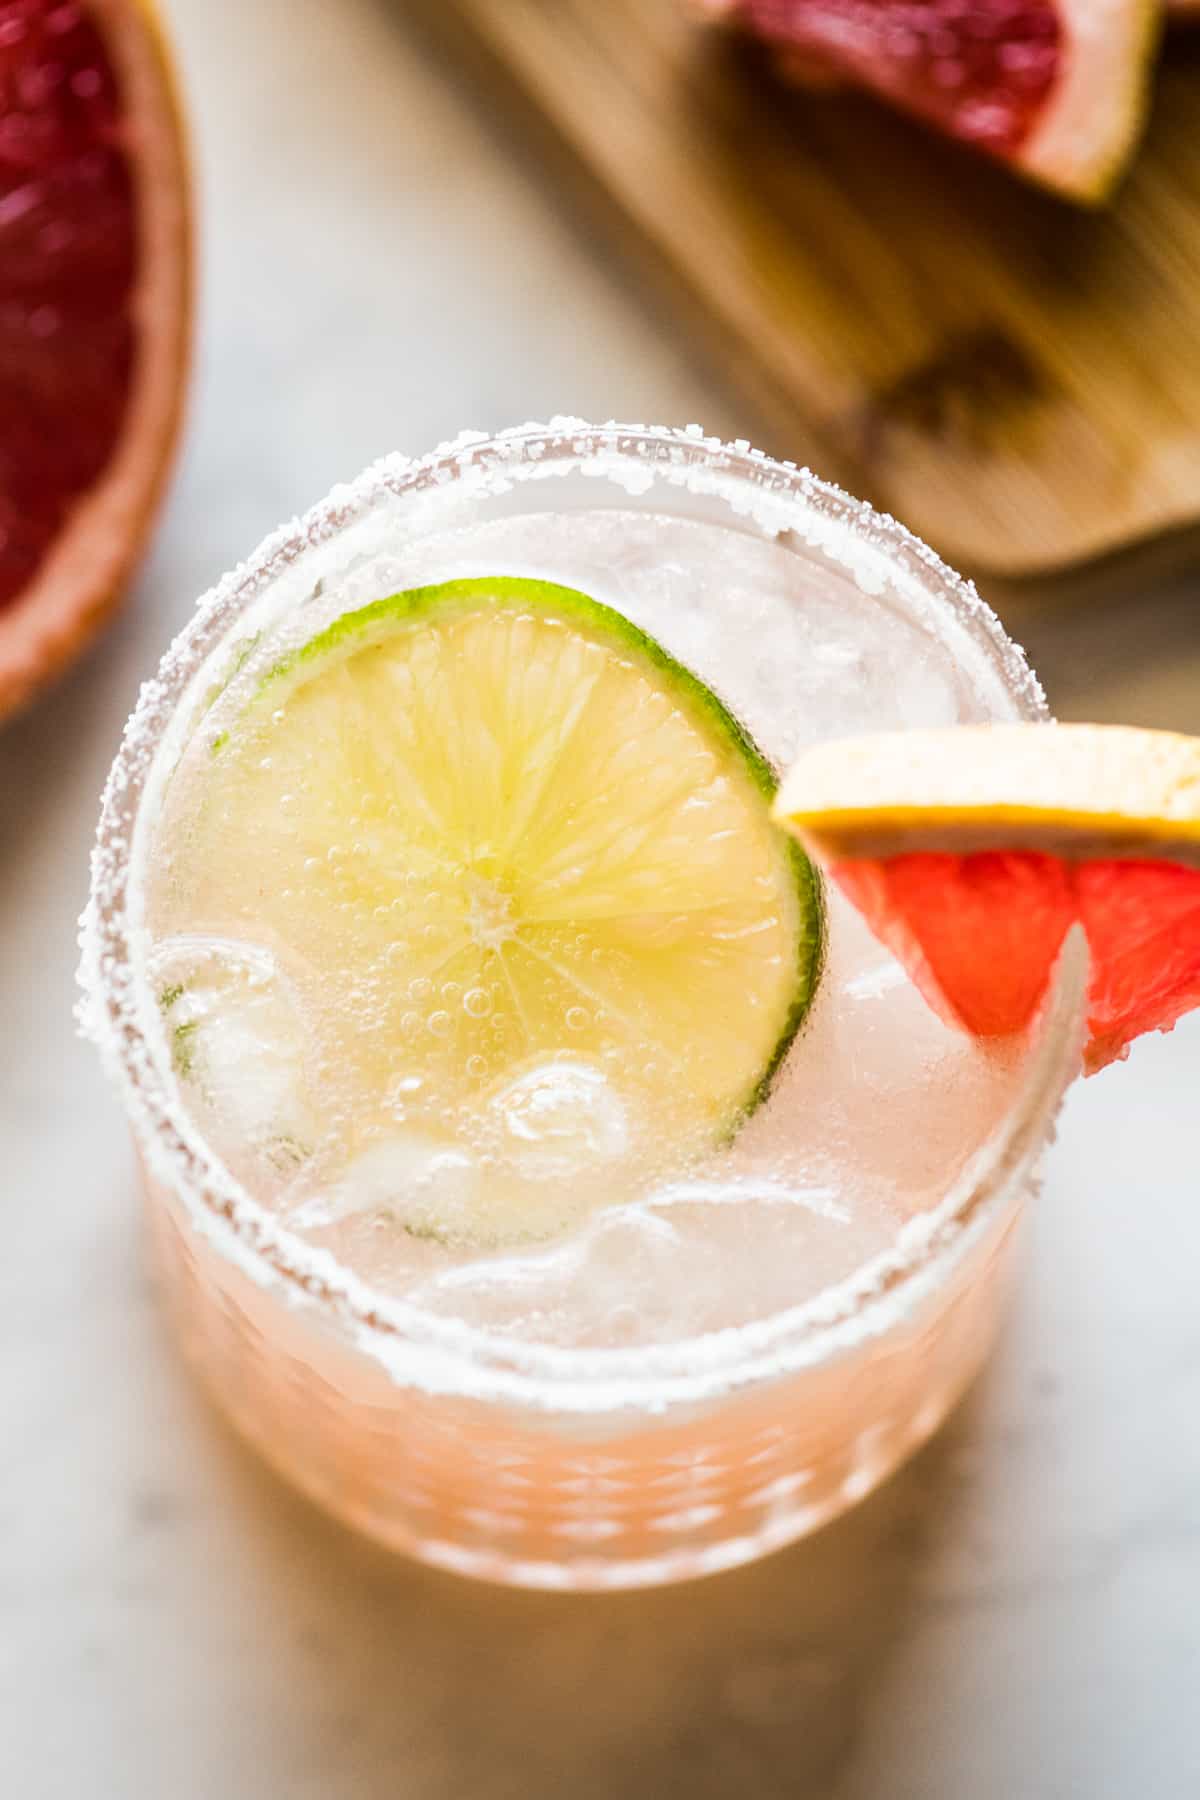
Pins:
x: 1055, y: 88
x: 95, y: 303
x: 972, y: 851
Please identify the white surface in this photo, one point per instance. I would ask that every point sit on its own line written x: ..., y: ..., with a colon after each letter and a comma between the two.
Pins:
x: 1017, y: 1615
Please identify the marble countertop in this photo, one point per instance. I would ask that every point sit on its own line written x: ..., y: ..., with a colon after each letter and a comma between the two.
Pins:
x: 1017, y: 1614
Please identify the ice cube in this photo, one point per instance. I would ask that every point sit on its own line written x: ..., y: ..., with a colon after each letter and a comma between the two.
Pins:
x: 693, y: 1255
x: 581, y: 1290
x: 560, y: 1119
x: 875, y: 981
x: 240, y: 1046
x: 539, y: 1152
x: 430, y: 1186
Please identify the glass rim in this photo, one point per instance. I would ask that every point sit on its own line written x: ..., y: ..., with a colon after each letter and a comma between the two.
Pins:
x: 432, y: 1352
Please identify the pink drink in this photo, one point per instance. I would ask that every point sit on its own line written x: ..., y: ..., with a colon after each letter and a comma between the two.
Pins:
x: 687, y: 1363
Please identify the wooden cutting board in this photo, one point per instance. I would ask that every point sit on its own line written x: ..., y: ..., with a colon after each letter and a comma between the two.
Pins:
x: 1017, y: 379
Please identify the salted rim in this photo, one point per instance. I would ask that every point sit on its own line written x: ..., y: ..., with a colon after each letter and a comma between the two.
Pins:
x: 447, y: 1355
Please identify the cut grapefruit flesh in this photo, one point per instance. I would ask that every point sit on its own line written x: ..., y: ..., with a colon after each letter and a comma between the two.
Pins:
x: 95, y: 302
x: 972, y: 851
x: 1055, y: 88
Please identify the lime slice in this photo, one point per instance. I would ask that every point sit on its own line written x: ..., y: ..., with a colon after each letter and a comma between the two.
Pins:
x: 512, y: 836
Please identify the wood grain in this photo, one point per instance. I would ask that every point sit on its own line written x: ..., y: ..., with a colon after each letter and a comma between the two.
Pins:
x: 1019, y: 380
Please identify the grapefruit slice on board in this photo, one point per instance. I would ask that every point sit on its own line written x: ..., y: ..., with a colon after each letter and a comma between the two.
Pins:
x: 971, y: 852
x: 1055, y: 88
x: 95, y: 302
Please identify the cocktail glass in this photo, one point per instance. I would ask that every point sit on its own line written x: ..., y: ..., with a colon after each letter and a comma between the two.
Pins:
x: 551, y: 1464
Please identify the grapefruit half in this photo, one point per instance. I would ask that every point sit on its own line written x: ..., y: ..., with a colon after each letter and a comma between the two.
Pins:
x: 95, y: 308
x: 972, y: 851
x: 1055, y: 88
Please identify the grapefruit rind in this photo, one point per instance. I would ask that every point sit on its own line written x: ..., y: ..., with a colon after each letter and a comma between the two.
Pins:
x: 1077, y: 791
x: 82, y: 578
x: 1094, y: 121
